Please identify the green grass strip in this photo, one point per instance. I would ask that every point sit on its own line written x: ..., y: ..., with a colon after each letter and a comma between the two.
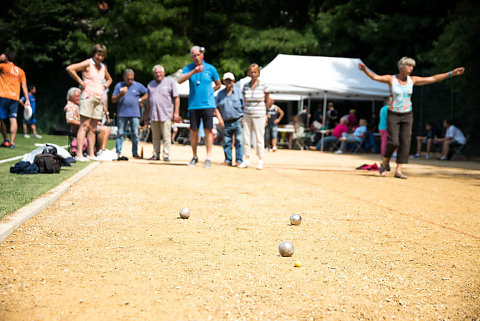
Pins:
x: 16, y: 190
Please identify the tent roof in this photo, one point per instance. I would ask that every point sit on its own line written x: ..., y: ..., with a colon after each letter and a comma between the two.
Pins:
x: 315, y: 75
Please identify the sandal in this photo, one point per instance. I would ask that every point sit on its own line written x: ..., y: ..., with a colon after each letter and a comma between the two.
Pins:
x: 402, y: 176
x: 382, y: 170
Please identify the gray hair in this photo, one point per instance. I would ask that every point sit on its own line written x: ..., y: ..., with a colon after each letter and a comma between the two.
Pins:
x: 71, y: 91
x: 158, y: 67
x: 128, y: 71
x: 406, y: 61
x: 194, y: 48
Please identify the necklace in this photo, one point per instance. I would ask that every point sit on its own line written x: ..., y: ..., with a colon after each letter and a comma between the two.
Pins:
x: 197, y: 78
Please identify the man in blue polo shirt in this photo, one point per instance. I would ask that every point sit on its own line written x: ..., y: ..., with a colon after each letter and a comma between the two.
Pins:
x: 230, y: 103
x: 130, y: 95
x: 201, y: 101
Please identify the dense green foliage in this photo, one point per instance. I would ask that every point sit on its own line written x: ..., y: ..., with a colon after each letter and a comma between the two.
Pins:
x: 48, y: 35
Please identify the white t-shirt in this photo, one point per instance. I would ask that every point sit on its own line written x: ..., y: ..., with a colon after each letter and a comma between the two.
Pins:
x: 455, y: 134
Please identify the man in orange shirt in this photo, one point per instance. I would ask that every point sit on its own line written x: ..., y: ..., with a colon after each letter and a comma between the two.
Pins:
x: 11, y: 78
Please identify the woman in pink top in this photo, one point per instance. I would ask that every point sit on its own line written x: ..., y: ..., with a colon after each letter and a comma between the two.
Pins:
x: 95, y: 80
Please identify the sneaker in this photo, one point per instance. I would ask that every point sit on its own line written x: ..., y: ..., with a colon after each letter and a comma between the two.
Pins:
x: 193, y: 161
x: 27, y: 135
x: 339, y: 151
x: 92, y: 157
x: 208, y: 163
x: 81, y: 159
x: 154, y: 158
x: 37, y: 136
x: 415, y: 156
x: 166, y: 159
x: 6, y: 143
x: 244, y: 164
x: 12, y: 145
x: 137, y: 156
x: 427, y: 156
x: 274, y: 149
x: 443, y: 158
x: 260, y: 165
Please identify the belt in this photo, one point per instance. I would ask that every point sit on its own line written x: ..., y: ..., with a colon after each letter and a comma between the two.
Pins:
x: 235, y: 119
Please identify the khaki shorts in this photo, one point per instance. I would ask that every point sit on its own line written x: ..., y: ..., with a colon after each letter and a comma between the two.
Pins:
x: 90, y: 106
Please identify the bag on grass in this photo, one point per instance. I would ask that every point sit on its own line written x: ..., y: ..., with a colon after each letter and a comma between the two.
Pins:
x: 48, y: 163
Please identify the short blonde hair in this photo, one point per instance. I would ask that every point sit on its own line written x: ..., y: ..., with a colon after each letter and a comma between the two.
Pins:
x: 98, y: 48
x: 406, y: 61
x: 253, y: 66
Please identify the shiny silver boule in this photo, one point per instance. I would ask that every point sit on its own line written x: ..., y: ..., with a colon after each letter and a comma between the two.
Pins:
x: 295, y: 219
x: 184, y: 213
x: 286, y: 248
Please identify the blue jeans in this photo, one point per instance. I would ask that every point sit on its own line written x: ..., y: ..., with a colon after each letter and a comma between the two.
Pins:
x: 233, y: 127
x: 328, y: 140
x: 134, y: 123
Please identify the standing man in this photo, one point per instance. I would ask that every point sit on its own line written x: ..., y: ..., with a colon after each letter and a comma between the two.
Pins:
x: 230, y: 103
x: 11, y: 79
x: 130, y: 95
x: 163, y: 105
x: 201, y: 101
x: 32, y: 90
x: 274, y: 116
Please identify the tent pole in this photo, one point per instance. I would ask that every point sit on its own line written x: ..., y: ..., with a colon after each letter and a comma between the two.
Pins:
x: 324, y: 117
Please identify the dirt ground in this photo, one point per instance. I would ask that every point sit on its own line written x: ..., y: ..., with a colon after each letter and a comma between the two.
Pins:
x: 372, y: 248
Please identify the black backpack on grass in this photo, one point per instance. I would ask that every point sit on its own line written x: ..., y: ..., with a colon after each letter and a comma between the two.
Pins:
x: 48, y: 161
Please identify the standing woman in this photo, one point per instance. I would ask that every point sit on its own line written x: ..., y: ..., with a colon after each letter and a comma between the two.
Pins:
x: 256, y: 94
x: 95, y: 80
x: 400, y: 115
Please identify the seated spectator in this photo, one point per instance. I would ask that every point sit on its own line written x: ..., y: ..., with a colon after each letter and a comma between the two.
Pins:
x: 300, y: 122
x: 72, y: 116
x: 453, y: 136
x: 431, y: 133
x: 356, y: 137
x: 335, y: 135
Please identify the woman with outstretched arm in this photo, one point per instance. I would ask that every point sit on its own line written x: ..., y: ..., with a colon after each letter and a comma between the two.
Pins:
x: 400, y: 115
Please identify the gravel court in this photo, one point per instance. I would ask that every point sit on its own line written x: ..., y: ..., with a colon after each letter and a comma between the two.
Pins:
x: 113, y: 247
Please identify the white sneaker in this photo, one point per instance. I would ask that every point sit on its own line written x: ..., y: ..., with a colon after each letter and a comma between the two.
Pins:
x: 92, y: 157
x: 37, y: 136
x: 81, y: 159
x: 339, y: 151
x: 244, y: 164
x: 427, y: 156
x: 274, y: 149
x: 260, y: 165
x: 26, y: 136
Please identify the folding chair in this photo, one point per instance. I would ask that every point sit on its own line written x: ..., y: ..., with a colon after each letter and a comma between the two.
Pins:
x: 457, y: 150
x: 358, y: 145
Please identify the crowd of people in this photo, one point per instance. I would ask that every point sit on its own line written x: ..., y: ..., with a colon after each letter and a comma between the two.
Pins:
x: 247, y: 115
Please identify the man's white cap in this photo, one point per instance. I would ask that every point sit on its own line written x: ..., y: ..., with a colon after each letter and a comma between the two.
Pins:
x: 228, y: 75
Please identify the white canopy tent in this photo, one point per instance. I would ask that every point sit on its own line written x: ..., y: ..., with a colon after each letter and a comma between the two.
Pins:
x: 322, y: 78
